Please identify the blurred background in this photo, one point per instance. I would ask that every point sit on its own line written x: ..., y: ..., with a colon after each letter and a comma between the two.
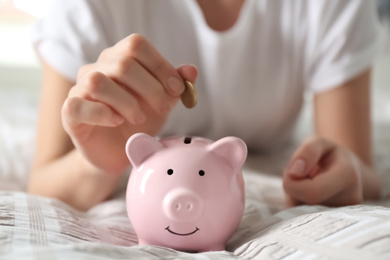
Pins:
x: 20, y: 73
x: 20, y: 79
x: 19, y: 66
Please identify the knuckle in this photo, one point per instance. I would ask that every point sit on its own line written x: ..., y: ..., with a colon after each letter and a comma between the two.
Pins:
x: 135, y: 43
x: 104, y: 53
x: 83, y: 70
x: 124, y: 66
x: 95, y: 82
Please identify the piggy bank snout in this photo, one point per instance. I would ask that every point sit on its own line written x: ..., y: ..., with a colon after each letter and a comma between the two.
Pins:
x: 182, y: 205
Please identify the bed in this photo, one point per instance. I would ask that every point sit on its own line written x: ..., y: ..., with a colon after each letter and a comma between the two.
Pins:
x: 33, y: 227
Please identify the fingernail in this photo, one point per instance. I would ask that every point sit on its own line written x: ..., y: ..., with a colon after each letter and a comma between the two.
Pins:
x: 139, y: 118
x: 298, y: 168
x: 175, y: 85
x: 118, y: 119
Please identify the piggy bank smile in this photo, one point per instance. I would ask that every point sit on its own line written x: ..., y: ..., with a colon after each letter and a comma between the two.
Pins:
x: 181, y: 234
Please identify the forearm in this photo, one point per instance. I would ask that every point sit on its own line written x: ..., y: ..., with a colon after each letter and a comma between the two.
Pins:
x: 343, y: 116
x: 72, y: 180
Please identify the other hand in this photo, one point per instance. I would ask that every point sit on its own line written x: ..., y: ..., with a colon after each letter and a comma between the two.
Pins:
x: 322, y: 172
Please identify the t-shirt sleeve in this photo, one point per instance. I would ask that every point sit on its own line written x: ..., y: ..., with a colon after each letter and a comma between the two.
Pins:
x: 71, y: 35
x: 342, y: 41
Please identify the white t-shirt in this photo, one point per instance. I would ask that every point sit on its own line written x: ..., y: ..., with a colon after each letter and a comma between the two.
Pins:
x: 251, y: 77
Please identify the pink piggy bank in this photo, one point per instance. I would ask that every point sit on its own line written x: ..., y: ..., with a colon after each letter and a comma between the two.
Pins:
x: 185, y: 193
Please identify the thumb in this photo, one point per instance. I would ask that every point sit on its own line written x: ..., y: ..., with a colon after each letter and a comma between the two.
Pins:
x: 305, y: 161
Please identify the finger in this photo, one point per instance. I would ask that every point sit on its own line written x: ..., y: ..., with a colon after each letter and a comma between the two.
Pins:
x: 98, y: 87
x: 306, y: 158
x: 188, y: 72
x: 321, y: 188
x: 137, y: 47
x: 77, y: 111
x: 129, y: 73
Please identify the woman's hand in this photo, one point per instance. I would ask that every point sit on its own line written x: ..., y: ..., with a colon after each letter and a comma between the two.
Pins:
x: 322, y: 172
x: 131, y: 88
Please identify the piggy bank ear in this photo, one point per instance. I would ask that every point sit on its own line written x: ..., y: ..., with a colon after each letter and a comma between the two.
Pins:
x: 141, y: 146
x: 232, y: 149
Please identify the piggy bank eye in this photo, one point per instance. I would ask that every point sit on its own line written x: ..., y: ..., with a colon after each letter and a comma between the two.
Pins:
x: 201, y: 172
x: 170, y: 172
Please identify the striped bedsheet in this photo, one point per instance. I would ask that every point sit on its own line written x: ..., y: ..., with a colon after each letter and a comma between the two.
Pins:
x: 33, y: 227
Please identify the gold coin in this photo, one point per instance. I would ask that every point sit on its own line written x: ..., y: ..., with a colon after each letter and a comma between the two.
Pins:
x: 189, y: 97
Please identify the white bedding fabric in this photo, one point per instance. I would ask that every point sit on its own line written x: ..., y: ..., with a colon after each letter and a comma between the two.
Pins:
x: 33, y: 227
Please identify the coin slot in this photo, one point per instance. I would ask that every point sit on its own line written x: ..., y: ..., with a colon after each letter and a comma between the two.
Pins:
x: 187, y: 140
